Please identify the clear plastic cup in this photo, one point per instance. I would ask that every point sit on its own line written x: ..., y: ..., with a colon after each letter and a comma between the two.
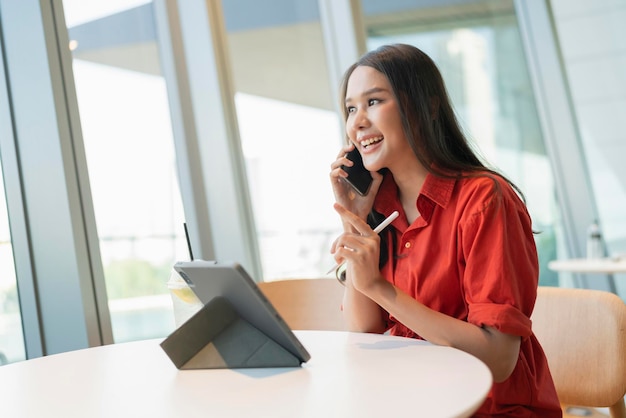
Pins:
x: 184, y: 300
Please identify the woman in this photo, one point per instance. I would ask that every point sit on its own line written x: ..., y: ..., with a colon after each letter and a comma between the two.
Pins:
x: 459, y: 266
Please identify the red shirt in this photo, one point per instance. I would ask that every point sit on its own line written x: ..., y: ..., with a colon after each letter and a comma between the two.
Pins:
x: 471, y: 255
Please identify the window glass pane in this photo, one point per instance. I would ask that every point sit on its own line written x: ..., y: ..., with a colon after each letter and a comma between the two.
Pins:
x: 130, y: 154
x: 289, y: 130
x: 478, y: 49
x: 593, y: 42
x: 11, y: 334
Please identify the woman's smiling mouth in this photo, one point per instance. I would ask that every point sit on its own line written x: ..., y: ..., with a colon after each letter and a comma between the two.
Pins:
x: 369, y: 141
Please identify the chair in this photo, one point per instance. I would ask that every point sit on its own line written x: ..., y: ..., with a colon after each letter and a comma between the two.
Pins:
x: 583, y: 333
x: 307, y: 304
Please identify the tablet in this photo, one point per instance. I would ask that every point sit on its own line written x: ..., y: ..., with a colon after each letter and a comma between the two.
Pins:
x: 209, y: 279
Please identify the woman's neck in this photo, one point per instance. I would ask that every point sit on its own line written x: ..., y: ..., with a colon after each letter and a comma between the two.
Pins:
x: 410, y: 182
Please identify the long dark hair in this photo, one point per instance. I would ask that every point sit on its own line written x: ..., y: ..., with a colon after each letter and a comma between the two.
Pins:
x: 428, y: 119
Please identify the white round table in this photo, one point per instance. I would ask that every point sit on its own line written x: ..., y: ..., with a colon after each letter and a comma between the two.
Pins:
x: 349, y: 375
x: 590, y: 265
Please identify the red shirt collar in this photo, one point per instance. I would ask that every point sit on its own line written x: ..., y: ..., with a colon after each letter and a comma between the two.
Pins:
x: 435, y: 191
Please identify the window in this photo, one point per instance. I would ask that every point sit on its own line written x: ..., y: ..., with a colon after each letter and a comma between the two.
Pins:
x: 289, y: 131
x: 11, y: 335
x: 592, y: 44
x: 126, y: 128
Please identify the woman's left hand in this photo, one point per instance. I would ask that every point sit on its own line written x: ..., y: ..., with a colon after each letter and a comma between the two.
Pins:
x: 359, y: 249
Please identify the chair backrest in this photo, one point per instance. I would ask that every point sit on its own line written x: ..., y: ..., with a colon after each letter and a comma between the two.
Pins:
x: 583, y: 333
x: 307, y: 304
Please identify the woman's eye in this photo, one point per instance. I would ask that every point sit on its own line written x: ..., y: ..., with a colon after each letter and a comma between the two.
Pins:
x: 372, y: 102
x: 350, y: 109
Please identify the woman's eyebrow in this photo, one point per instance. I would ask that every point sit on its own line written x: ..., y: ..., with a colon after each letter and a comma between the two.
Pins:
x: 368, y: 92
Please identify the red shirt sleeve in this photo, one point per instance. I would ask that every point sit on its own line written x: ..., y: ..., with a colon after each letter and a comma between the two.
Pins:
x: 501, y: 269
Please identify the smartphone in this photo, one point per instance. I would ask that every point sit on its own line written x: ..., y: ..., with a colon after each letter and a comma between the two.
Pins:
x: 358, y: 176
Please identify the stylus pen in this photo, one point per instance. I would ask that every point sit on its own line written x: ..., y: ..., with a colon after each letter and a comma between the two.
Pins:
x: 378, y: 229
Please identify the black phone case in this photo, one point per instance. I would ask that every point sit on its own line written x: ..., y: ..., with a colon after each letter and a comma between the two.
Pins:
x: 358, y: 176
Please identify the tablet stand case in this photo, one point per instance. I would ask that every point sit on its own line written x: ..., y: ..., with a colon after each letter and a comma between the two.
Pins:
x: 216, y: 337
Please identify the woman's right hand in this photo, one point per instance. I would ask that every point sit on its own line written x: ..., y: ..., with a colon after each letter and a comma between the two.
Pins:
x: 345, y: 195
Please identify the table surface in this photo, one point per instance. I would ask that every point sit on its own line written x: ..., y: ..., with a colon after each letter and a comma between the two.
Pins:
x: 349, y: 375
x: 590, y: 265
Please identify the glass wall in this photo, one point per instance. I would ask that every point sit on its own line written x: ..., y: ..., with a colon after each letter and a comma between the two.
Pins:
x: 478, y: 49
x: 592, y: 39
x: 289, y: 129
x: 125, y: 121
x: 11, y: 335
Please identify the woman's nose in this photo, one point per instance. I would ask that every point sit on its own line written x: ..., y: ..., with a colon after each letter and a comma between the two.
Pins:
x: 360, y: 119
